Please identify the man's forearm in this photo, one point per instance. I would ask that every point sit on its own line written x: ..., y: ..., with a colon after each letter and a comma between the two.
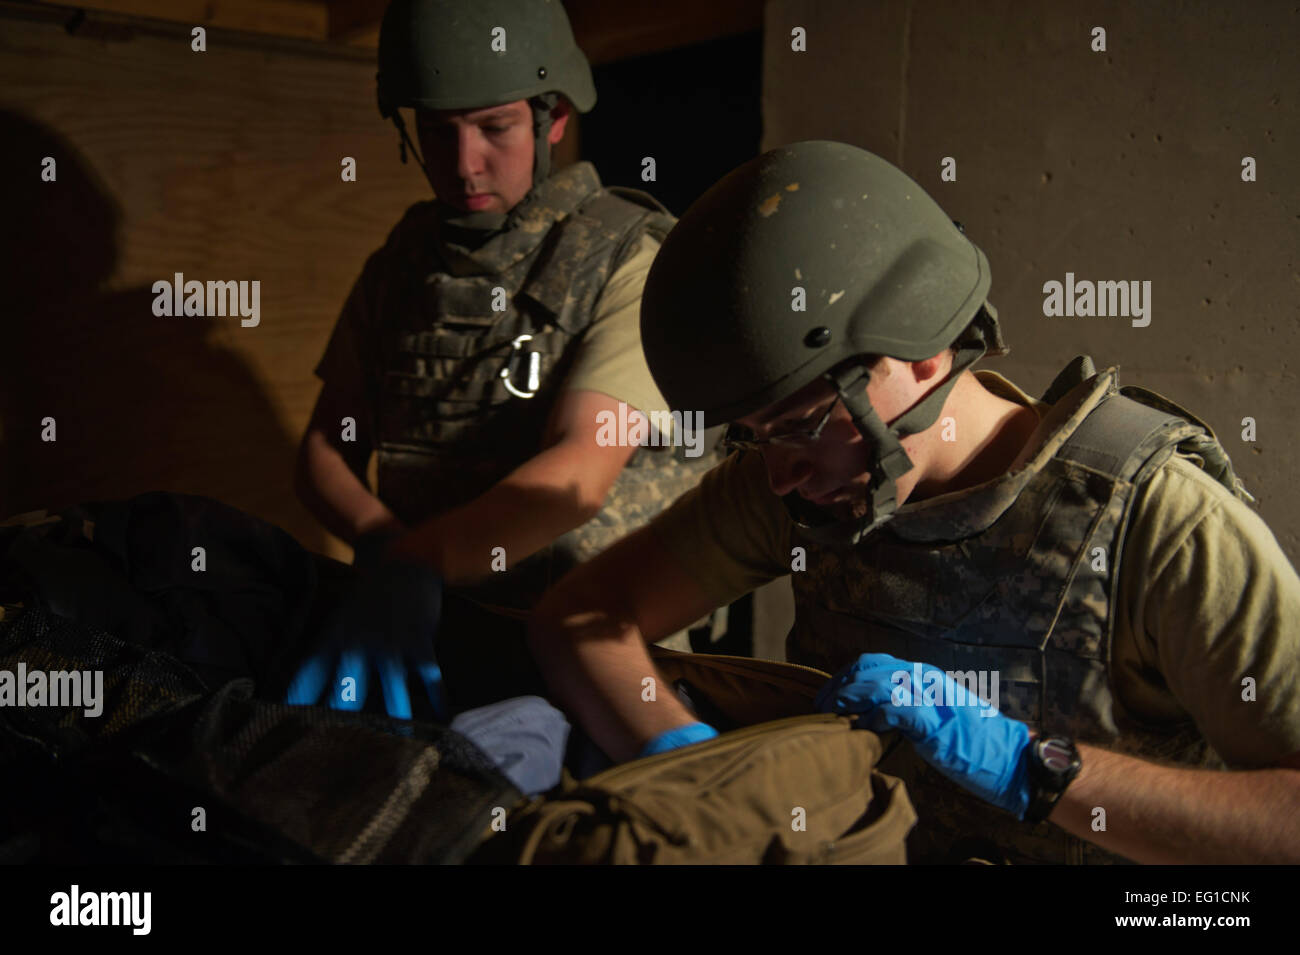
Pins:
x: 596, y: 667
x: 522, y: 513
x: 331, y: 490
x: 1158, y: 814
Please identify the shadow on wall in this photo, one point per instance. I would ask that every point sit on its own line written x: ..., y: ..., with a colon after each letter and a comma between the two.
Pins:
x: 139, y: 403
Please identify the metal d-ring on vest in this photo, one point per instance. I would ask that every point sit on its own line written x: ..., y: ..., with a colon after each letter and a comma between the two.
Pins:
x: 534, y: 369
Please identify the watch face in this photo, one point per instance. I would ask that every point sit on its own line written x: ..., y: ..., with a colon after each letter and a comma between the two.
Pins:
x: 1057, y: 755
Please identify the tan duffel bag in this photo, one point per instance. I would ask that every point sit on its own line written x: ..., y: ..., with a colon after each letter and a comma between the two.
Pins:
x: 789, y: 786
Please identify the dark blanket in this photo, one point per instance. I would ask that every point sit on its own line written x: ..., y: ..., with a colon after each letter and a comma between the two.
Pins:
x: 194, y: 664
x: 128, y: 567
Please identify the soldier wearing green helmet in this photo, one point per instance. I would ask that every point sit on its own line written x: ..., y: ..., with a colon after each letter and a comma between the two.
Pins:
x: 482, y: 344
x: 1061, y: 605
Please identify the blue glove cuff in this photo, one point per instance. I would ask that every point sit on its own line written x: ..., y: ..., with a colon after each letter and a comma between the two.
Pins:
x: 675, y: 738
x: 1018, y: 794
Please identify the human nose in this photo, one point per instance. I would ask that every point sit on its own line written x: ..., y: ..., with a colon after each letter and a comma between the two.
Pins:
x: 469, y: 153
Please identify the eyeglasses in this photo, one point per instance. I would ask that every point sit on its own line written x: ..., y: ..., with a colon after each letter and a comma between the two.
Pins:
x: 738, y: 437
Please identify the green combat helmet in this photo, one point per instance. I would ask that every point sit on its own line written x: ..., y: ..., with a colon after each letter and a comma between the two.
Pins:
x: 448, y: 54
x: 883, y: 271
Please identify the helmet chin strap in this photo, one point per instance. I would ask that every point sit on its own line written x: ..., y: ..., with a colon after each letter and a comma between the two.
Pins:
x: 479, y: 226
x: 541, y: 105
x: 888, y: 461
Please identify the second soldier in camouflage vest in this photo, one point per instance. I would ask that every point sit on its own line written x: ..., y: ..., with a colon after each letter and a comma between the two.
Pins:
x: 487, y: 336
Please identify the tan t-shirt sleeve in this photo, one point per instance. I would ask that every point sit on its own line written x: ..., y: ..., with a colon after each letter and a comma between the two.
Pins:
x: 1209, y: 599
x: 349, y: 357
x: 610, y: 359
x: 729, y: 532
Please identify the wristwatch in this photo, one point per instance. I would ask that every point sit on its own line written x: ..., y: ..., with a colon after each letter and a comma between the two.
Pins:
x: 1053, y: 762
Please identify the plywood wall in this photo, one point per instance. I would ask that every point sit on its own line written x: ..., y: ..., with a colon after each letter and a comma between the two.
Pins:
x: 222, y: 165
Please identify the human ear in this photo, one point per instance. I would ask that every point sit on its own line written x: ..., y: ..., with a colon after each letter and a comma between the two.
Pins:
x: 928, y: 368
x: 559, y: 121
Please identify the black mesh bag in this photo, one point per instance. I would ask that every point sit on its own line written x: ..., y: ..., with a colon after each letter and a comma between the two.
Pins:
x: 276, y: 784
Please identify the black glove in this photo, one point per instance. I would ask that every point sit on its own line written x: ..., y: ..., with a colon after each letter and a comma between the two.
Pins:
x: 387, y: 619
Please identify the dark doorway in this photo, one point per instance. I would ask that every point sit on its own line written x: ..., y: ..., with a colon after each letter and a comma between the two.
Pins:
x: 696, y: 110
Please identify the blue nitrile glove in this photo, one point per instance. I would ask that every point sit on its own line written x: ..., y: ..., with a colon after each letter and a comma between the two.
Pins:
x: 386, y: 620
x: 971, y: 742
x: 675, y: 738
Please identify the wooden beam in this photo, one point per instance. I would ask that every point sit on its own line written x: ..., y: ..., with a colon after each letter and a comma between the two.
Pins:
x: 607, y: 31
x: 356, y: 21
x: 301, y: 19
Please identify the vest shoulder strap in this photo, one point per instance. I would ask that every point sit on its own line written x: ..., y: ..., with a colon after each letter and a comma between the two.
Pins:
x: 639, y: 197
x: 1075, y: 373
x: 1108, y: 439
x: 1130, y: 434
x: 628, y: 212
x: 588, y: 246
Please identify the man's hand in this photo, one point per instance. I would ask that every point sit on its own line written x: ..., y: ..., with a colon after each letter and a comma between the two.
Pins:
x: 386, y: 621
x: 970, y: 742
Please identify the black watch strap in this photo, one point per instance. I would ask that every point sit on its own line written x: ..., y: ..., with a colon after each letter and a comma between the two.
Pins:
x: 1053, y: 763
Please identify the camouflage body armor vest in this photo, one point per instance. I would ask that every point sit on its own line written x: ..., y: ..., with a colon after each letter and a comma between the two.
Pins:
x: 1021, y: 590
x: 476, y: 344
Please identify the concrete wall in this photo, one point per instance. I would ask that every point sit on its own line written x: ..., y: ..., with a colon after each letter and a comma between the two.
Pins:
x: 1116, y: 165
